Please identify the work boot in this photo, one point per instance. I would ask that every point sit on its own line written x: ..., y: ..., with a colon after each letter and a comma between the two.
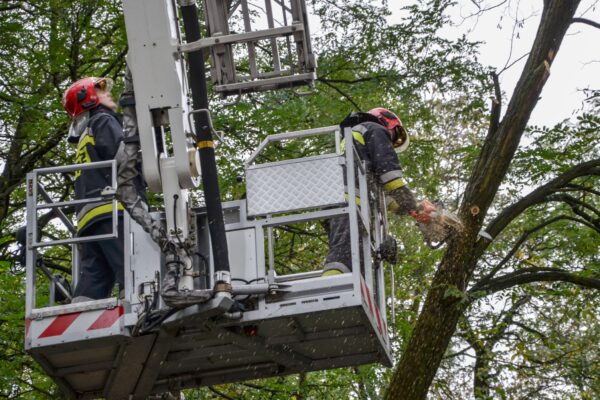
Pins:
x: 334, y: 268
x: 332, y: 272
x: 81, y: 299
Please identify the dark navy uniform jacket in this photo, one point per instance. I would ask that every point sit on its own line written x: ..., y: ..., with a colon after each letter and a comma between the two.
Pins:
x: 99, y: 142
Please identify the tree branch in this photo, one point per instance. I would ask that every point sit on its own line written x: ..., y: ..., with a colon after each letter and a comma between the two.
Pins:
x: 587, y: 22
x: 516, y: 247
x: 537, y: 196
x: 358, y: 80
x: 521, y: 240
x: 8, y: 8
x: 508, y: 66
x: 526, y: 328
x: 576, y: 188
x: 530, y: 275
x: 507, y: 320
x: 573, y: 202
x: 496, y: 106
x: 457, y: 353
x: 356, y: 106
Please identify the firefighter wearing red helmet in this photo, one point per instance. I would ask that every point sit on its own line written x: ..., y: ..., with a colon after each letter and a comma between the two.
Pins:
x: 97, y: 131
x: 378, y: 136
x: 392, y: 123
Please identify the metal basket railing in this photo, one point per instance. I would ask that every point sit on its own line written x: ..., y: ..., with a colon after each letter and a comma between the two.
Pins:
x: 34, y: 238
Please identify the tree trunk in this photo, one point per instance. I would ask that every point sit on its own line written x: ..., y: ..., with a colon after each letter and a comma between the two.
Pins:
x: 443, y: 306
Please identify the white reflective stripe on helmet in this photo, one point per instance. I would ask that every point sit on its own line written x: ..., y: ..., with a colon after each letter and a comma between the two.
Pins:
x: 390, y: 176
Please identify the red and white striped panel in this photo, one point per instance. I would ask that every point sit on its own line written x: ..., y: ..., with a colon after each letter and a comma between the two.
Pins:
x: 75, y: 326
x: 369, y: 301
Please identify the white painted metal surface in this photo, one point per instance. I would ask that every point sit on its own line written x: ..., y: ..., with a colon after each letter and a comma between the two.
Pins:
x: 159, y: 77
x: 292, y: 186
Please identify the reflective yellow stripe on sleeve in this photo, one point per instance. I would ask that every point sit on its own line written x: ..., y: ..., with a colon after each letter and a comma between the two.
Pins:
x: 393, y: 185
x: 85, y: 140
x: 357, y: 136
x: 95, y: 212
x: 82, y: 156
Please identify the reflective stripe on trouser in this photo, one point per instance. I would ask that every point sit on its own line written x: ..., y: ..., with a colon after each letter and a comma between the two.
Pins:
x: 101, y: 263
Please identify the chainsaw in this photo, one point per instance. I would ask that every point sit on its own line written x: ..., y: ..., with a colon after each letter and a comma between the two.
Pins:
x: 444, y: 224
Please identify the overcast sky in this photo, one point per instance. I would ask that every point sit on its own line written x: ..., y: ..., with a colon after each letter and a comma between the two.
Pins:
x: 576, y: 67
x: 504, y: 41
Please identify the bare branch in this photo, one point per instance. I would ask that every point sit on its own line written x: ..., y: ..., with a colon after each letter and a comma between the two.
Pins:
x: 587, y: 22
x: 52, y: 265
x: 356, y: 106
x: 482, y: 10
x: 496, y: 106
x: 508, y: 319
x: 8, y: 8
x: 457, y: 353
x: 508, y: 66
x: 526, y: 328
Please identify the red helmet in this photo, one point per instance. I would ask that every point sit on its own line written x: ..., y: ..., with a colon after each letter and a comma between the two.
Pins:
x: 81, y: 96
x: 394, y: 126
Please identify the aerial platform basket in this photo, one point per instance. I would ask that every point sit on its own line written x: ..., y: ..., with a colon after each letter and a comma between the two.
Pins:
x: 256, y: 47
x: 95, y: 349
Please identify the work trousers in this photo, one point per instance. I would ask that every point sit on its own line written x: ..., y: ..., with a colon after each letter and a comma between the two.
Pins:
x: 340, y: 255
x: 102, y: 262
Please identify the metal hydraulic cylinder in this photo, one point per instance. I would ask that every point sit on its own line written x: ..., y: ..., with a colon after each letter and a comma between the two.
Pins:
x: 206, y: 149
